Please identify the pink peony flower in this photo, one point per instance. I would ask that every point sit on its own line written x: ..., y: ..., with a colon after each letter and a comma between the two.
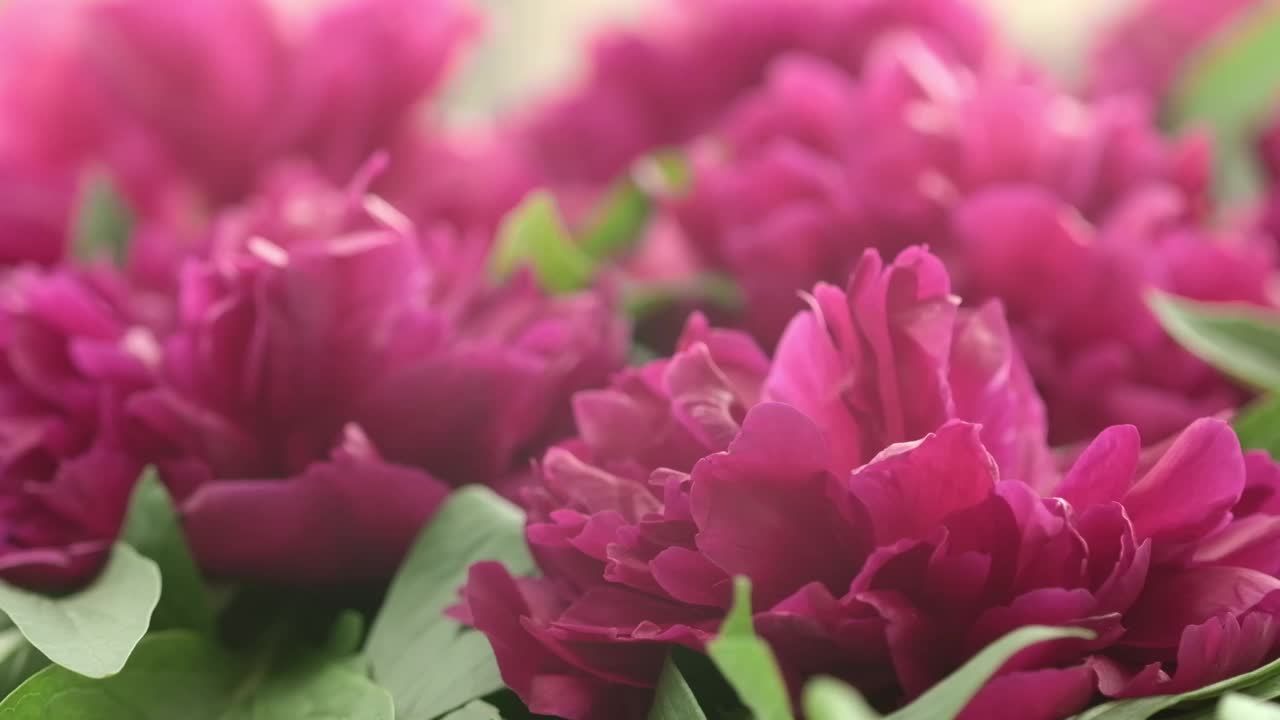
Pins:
x: 1148, y: 49
x: 885, y: 541
x: 333, y: 372
x: 1067, y: 212
x: 74, y: 347
x: 699, y: 467
x: 665, y: 83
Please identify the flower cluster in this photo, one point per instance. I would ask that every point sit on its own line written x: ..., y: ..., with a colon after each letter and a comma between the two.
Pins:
x: 882, y: 483
x: 920, y: 400
x: 1068, y: 212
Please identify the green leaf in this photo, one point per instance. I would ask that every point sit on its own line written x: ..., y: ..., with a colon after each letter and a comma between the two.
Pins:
x: 475, y: 710
x: 618, y: 222
x: 747, y: 662
x: 180, y: 674
x: 1263, y: 682
x: 674, y: 699
x: 93, y: 630
x: 534, y: 234
x: 346, y: 634
x: 826, y: 698
x: 665, y: 173
x: 103, y: 222
x: 19, y: 660
x: 642, y: 299
x: 1232, y: 86
x: 1243, y: 707
x: 1258, y: 425
x: 948, y: 698
x: 429, y: 662
x: 153, y: 529
x: 1239, y: 340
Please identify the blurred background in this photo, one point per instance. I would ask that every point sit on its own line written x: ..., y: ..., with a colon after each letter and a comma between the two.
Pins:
x: 532, y: 45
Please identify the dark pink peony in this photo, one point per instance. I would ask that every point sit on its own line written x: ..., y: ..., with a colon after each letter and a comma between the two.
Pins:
x: 1067, y: 212
x: 75, y: 345
x: 665, y: 83
x: 887, y: 538
x: 886, y: 543
x: 1148, y: 49
x: 334, y: 371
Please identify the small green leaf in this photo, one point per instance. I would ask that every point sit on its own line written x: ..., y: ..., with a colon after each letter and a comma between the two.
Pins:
x: 948, y: 698
x: 618, y: 222
x: 475, y: 710
x: 91, y: 631
x: 103, y: 222
x: 642, y: 299
x: 1239, y: 340
x: 666, y: 173
x: 430, y: 662
x: 180, y: 674
x: 1232, y: 85
x: 1258, y: 425
x: 153, y: 529
x: 534, y: 234
x: 1263, y: 682
x: 747, y: 662
x: 1243, y: 707
x: 674, y: 699
x: 346, y: 634
x: 826, y: 698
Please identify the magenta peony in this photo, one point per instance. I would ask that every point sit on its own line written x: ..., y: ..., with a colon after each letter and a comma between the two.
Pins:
x: 75, y: 346
x: 1148, y: 49
x: 1066, y: 212
x: 887, y: 539
x: 333, y: 372
x: 664, y: 84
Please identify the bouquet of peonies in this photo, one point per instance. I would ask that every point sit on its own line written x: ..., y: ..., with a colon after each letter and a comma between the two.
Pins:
x: 819, y: 359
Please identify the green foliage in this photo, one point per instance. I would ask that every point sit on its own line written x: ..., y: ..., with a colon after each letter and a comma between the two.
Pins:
x: 153, y: 529
x: 829, y: 699
x: 1232, y: 86
x: 747, y: 662
x: 103, y: 222
x: 1258, y: 425
x: 534, y: 235
x: 475, y: 710
x: 429, y: 662
x: 674, y: 699
x: 180, y: 674
x: 1262, y: 683
x: 93, y: 630
x: 1243, y: 707
x: 1242, y: 341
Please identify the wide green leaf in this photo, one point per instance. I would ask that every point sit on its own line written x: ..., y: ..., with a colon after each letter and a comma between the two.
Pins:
x: 1242, y: 341
x: 1243, y: 707
x: 535, y: 235
x: 1232, y: 86
x: 103, y: 222
x: 948, y: 698
x: 674, y: 699
x: 618, y: 222
x: 93, y: 630
x: 153, y: 529
x: 829, y: 699
x: 1258, y: 425
x: 642, y: 299
x: 747, y: 662
x: 429, y: 662
x: 181, y: 674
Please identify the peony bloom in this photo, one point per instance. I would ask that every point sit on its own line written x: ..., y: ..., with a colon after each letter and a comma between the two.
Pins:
x: 638, y: 522
x: 333, y: 372
x: 876, y: 556
x: 74, y: 347
x: 1067, y: 212
x: 1147, y: 50
x: 189, y: 106
x: 662, y: 85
